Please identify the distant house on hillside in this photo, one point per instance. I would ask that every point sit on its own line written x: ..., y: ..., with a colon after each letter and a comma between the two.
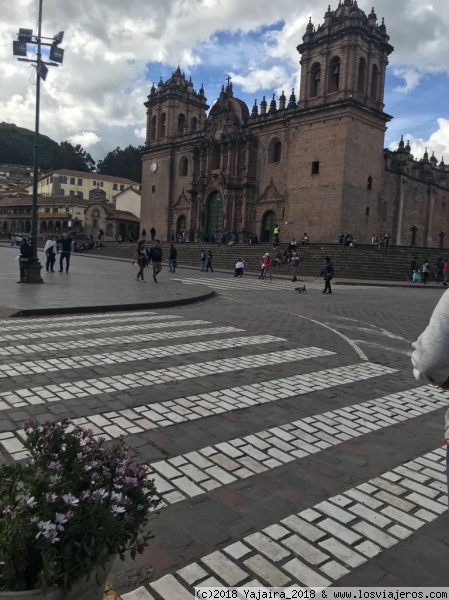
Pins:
x: 93, y: 186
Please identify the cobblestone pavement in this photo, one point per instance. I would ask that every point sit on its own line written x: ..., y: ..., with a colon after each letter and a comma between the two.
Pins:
x: 285, y: 433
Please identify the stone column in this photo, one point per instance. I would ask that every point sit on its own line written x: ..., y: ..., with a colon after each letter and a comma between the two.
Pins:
x: 402, y: 186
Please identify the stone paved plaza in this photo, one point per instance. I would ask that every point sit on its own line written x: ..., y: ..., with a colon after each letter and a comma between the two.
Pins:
x: 285, y: 432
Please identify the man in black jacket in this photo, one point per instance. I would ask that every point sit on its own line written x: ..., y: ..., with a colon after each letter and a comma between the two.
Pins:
x: 66, y: 249
x: 156, y: 259
x: 172, y: 259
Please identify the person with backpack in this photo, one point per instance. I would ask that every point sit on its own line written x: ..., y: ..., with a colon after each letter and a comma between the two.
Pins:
x: 140, y: 259
x: 24, y: 258
x: 50, y: 249
x: 327, y: 273
x: 156, y: 259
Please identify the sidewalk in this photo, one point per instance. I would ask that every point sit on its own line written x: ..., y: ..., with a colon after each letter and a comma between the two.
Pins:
x: 92, y: 285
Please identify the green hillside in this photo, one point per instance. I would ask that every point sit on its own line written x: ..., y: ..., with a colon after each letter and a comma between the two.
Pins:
x: 16, y: 147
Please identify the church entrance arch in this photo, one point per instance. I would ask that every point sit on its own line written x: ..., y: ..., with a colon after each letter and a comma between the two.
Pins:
x: 268, y: 223
x: 181, y: 224
x: 214, y: 224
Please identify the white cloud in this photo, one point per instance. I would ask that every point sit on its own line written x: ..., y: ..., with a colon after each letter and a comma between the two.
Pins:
x: 109, y: 43
x: 86, y: 139
x: 438, y: 143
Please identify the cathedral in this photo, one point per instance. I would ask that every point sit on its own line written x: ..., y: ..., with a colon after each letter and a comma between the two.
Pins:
x: 315, y: 164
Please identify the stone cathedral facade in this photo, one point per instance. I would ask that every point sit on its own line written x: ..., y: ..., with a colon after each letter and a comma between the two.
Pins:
x: 317, y: 165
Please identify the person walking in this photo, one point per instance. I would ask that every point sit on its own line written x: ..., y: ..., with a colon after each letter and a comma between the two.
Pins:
x: 141, y: 260
x: 66, y: 249
x: 327, y: 273
x: 50, y: 249
x: 153, y: 234
x: 425, y: 271
x: 446, y: 272
x: 294, y: 262
x: 143, y: 235
x: 203, y: 260
x: 24, y: 258
x: 413, y: 267
x: 267, y: 263
x: 172, y: 259
x: 156, y: 259
x: 209, y: 262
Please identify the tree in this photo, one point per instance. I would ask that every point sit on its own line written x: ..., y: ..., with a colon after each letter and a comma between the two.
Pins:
x: 122, y: 163
x: 72, y: 157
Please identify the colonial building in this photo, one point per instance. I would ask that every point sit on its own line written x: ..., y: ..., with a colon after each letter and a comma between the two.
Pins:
x: 113, y: 222
x: 56, y: 214
x: 317, y: 166
x: 90, y: 186
x: 129, y: 200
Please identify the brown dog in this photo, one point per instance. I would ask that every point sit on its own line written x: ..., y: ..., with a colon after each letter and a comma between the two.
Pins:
x: 301, y: 290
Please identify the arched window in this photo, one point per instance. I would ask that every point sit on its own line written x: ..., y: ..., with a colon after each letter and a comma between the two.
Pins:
x: 361, y: 84
x: 369, y: 185
x: 109, y: 230
x: 215, y: 157
x: 184, y: 167
x: 367, y: 211
x: 50, y: 227
x: 315, y: 77
x: 162, y: 125
x: 122, y: 230
x: 334, y: 75
x: 375, y: 83
x: 194, y: 124
x: 43, y: 227
x: 385, y: 211
x: 153, y: 128
x: 58, y: 227
x: 95, y: 224
x: 181, y: 123
x: 95, y: 212
x: 274, y: 151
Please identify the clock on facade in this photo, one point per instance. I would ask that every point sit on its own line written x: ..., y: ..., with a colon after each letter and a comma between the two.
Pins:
x: 154, y: 167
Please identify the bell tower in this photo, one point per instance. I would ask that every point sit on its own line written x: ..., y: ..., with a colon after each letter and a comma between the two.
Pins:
x: 345, y: 57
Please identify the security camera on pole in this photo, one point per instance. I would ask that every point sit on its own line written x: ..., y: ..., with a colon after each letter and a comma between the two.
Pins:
x: 25, y: 37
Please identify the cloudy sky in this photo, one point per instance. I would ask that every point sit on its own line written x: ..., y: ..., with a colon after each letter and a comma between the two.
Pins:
x: 114, y: 50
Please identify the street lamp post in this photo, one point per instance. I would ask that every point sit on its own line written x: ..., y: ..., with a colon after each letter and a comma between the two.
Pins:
x: 24, y: 37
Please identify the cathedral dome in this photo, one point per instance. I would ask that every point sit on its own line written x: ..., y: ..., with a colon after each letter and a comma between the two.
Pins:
x: 349, y: 9
x: 177, y: 79
x: 230, y: 104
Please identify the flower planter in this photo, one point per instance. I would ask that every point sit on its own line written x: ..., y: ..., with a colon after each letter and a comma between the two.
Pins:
x: 82, y: 590
x: 54, y: 594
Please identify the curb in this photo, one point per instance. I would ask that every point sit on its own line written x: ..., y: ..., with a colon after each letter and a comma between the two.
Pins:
x: 388, y: 285
x: 71, y: 310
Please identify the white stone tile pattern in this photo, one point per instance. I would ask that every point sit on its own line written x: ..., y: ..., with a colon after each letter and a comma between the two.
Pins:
x: 254, y: 284
x: 51, y: 333
x: 91, y: 320
x: 103, y: 385
x: 320, y: 545
x: 45, y: 347
x: 55, y: 321
x: 95, y: 360
x: 195, y: 473
x: 163, y: 414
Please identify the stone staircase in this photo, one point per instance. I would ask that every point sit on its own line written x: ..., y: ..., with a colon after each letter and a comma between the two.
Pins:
x: 361, y: 262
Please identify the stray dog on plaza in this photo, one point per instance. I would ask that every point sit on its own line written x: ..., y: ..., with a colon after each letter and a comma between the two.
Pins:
x: 301, y: 290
